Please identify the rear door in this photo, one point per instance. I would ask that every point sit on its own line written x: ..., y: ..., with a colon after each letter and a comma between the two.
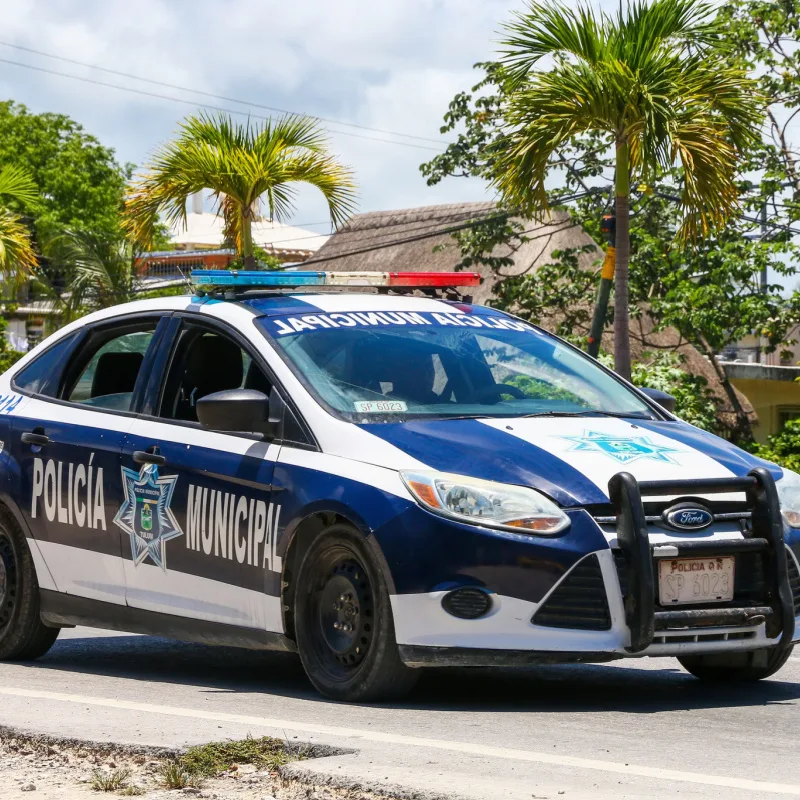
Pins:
x: 198, y: 513
x: 67, y: 443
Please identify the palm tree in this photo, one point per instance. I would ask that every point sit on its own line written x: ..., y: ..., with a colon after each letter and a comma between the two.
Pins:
x: 243, y: 164
x: 17, y: 256
x: 92, y: 271
x: 655, y: 79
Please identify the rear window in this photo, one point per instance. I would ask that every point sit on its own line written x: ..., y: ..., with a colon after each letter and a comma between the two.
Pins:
x: 43, y: 374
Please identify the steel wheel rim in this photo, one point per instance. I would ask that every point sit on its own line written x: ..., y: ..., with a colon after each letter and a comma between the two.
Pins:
x: 342, y: 613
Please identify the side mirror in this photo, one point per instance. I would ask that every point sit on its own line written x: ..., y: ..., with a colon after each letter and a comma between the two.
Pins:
x: 666, y: 401
x: 237, y: 411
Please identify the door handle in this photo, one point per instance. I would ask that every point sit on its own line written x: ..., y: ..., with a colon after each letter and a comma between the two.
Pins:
x: 36, y: 437
x: 150, y: 456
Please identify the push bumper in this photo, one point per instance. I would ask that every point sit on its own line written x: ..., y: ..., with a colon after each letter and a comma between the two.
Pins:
x: 512, y: 633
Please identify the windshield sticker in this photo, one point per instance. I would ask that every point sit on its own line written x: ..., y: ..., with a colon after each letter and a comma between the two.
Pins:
x: 283, y: 326
x: 380, y: 406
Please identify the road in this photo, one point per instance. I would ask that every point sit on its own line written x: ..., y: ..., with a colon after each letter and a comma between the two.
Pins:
x: 639, y: 729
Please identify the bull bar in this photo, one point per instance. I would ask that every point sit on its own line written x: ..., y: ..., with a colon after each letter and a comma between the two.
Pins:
x: 765, y: 535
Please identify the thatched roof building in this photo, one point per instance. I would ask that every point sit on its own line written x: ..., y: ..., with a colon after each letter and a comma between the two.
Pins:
x: 421, y: 240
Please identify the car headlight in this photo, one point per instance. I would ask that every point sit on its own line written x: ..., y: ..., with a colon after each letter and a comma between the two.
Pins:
x: 497, y: 505
x: 789, y: 497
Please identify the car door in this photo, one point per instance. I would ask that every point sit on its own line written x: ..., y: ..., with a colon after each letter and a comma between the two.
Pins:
x: 198, y: 508
x: 67, y: 443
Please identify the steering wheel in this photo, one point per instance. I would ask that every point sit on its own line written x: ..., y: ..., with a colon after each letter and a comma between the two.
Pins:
x: 497, y: 389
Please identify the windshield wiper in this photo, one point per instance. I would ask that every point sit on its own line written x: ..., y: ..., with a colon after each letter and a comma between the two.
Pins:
x: 589, y: 412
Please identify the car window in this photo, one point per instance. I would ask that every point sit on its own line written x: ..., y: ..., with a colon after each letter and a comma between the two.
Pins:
x: 110, y: 367
x: 205, y: 362
x: 391, y: 366
x: 41, y: 376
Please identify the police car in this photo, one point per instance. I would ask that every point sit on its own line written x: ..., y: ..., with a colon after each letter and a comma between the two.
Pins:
x: 381, y: 482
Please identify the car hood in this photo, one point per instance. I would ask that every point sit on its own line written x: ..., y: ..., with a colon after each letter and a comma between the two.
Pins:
x: 569, y: 458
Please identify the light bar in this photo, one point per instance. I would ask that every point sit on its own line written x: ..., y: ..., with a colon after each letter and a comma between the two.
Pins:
x: 207, y: 280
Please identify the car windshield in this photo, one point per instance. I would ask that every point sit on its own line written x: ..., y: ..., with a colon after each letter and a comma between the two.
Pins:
x: 391, y: 366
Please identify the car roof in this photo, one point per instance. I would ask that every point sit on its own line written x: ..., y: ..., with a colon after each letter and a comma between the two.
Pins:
x: 280, y: 303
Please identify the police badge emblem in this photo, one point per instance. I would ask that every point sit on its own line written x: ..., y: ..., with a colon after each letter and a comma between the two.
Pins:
x: 145, y: 515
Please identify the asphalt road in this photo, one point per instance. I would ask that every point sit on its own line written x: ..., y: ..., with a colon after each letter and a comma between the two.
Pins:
x: 640, y: 729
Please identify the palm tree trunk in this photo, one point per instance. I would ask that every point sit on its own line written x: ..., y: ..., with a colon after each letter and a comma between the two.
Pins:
x: 622, y: 340
x: 247, y: 239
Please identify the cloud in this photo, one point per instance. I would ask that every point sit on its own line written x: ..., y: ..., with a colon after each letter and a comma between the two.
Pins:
x: 393, y: 64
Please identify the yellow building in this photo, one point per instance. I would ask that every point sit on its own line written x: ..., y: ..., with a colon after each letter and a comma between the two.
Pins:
x: 773, y: 391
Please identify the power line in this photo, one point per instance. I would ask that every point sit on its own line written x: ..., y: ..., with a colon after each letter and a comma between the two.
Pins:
x: 201, y: 105
x: 211, y: 94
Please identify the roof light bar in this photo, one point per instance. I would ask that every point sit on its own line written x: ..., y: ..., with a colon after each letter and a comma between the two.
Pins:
x: 207, y: 280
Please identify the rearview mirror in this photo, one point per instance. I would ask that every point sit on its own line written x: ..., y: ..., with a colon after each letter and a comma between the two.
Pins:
x: 666, y: 401
x: 237, y: 411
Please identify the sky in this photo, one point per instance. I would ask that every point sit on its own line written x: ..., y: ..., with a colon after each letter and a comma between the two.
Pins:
x: 392, y: 65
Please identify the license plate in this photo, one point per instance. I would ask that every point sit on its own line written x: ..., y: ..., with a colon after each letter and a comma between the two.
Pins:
x: 695, y: 580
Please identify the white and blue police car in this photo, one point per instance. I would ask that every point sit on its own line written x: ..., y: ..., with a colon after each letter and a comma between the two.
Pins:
x: 382, y: 483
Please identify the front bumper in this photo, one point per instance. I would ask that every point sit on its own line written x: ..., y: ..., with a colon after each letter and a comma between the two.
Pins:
x: 634, y: 624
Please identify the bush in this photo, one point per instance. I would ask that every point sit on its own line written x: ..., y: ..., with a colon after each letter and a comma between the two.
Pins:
x: 695, y: 403
x: 783, y: 448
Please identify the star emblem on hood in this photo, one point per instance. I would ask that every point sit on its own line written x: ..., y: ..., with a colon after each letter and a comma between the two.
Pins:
x: 623, y: 449
x: 145, y: 515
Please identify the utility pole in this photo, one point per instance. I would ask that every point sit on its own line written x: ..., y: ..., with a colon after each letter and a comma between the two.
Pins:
x: 608, y: 226
x: 762, y: 351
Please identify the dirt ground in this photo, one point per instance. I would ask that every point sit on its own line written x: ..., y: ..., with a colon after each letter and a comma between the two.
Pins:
x: 42, y: 768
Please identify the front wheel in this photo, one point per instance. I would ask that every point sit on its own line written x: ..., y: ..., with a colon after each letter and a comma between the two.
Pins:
x: 752, y: 665
x: 343, y: 620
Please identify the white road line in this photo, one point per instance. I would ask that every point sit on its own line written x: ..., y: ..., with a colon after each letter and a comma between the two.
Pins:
x: 415, y: 741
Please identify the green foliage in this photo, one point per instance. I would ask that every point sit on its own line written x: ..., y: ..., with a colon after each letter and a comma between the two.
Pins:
x: 783, y: 448
x: 695, y: 402
x: 8, y: 357
x: 80, y: 183
x: 264, y: 260
x: 212, y: 759
x: 542, y: 390
x: 243, y: 164
x: 653, y: 79
x: 110, y: 781
x: 174, y: 776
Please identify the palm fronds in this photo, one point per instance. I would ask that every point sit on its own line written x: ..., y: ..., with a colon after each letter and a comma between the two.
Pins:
x: 243, y: 165
x: 653, y: 78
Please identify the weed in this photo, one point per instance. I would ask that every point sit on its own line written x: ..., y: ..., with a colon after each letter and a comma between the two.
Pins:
x: 105, y: 781
x: 132, y: 791
x: 175, y: 776
x: 211, y: 759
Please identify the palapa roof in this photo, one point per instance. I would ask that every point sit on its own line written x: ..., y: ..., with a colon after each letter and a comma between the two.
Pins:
x: 419, y: 240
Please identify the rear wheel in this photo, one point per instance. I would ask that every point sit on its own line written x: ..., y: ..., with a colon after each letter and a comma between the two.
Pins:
x: 752, y: 665
x: 343, y: 619
x: 22, y: 634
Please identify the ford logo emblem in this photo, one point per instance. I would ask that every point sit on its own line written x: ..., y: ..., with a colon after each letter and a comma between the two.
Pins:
x: 688, y: 518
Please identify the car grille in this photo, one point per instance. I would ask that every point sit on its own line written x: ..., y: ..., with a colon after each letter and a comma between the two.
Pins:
x: 579, y: 601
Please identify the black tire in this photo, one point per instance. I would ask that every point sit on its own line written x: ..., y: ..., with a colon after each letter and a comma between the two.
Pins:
x: 22, y: 634
x: 339, y: 583
x: 752, y: 665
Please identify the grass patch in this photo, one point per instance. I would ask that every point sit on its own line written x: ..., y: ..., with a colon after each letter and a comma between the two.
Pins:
x: 132, y: 791
x: 214, y: 758
x: 110, y: 781
x: 175, y: 776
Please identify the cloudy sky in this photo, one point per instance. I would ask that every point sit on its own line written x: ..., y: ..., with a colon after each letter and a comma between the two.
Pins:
x: 386, y: 64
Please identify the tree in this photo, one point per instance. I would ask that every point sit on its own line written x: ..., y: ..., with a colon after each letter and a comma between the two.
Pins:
x: 17, y: 256
x: 654, y: 82
x: 81, y: 186
x: 243, y: 164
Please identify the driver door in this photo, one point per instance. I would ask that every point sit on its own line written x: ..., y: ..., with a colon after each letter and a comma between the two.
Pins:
x: 198, y: 510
